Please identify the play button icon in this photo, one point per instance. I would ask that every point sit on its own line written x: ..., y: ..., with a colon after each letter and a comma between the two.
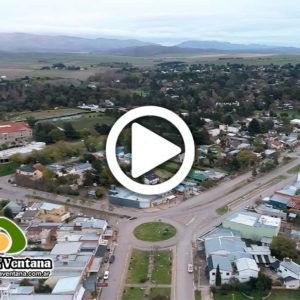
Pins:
x: 147, y: 144
x: 149, y: 150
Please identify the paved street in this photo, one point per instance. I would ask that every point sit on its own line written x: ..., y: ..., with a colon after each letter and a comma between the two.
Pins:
x: 192, y: 218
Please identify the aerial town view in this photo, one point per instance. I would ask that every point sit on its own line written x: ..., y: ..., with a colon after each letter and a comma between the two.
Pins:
x: 150, y: 150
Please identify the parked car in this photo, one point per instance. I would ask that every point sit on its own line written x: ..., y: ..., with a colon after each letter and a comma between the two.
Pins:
x: 190, y: 268
x: 112, y: 259
x: 106, y: 275
x: 106, y: 258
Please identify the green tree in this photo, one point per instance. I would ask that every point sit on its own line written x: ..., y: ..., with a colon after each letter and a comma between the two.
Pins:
x: 246, y: 158
x: 8, y: 213
x: 282, y: 246
x: 48, y: 175
x: 202, y: 137
x: 254, y: 127
x: 57, y: 135
x: 31, y: 121
x: 263, y: 283
x: 100, y: 192
x: 70, y: 132
x: 218, y: 276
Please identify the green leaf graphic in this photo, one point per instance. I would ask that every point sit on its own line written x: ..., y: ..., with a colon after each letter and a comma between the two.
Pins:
x: 17, y: 236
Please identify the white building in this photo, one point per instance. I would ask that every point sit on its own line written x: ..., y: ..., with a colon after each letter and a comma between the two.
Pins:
x: 246, y: 268
x: 290, y: 272
x: 225, y: 269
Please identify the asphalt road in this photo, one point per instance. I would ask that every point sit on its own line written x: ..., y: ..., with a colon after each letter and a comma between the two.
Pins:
x: 192, y: 218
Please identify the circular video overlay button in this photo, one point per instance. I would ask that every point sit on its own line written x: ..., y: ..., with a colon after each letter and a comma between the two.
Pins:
x: 150, y: 150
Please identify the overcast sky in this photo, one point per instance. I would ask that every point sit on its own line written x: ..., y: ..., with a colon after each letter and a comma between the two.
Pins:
x: 274, y: 22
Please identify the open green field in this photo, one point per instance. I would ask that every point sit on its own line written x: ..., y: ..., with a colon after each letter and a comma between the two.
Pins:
x: 162, y: 269
x: 154, y: 231
x: 132, y: 293
x: 171, y: 166
x: 164, y: 293
x: 275, y: 295
x: 88, y: 121
x: 15, y: 65
x: 138, y: 267
x: 7, y: 169
x: 40, y: 115
x: 163, y: 174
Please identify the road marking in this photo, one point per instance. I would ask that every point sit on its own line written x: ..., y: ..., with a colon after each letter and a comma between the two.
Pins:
x: 190, y: 221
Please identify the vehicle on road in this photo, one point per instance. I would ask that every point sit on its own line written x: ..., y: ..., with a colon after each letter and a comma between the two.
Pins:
x: 132, y: 218
x: 190, y: 268
x: 106, y: 275
x: 112, y: 259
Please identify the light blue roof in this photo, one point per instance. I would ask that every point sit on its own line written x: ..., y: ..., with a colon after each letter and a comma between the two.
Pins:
x: 223, y: 262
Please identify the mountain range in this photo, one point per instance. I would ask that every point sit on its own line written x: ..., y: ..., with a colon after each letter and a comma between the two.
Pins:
x: 24, y: 42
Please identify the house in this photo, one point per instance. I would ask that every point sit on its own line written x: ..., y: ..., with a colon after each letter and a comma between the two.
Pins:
x: 279, y: 200
x: 151, y: 178
x: 43, y: 234
x: 246, y: 268
x: 49, y: 212
x: 224, y: 242
x: 197, y: 175
x: 290, y: 272
x: 124, y: 197
x: 252, y: 225
x: 87, y: 231
x: 225, y: 267
x: 5, y: 155
x: 80, y: 169
x: 29, y: 171
x: 268, y: 210
x: 14, y: 207
x: 14, y: 133
x: 69, y: 286
x: 289, y: 141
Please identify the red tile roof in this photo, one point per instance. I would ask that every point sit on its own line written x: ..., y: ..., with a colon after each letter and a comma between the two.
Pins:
x: 9, y: 127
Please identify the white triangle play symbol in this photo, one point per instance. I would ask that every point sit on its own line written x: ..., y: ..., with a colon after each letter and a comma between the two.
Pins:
x: 149, y: 150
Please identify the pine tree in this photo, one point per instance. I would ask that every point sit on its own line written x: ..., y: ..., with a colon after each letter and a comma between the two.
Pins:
x: 218, y: 277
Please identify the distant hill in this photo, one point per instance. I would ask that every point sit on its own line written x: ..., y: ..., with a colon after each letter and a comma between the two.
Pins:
x: 226, y: 46
x: 23, y: 42
x: 154, y: 50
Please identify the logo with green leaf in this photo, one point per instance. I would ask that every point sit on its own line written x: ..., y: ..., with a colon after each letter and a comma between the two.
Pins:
x: 12, y: 238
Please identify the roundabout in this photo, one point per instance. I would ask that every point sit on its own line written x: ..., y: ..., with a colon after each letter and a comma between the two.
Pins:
x: 154, y: 231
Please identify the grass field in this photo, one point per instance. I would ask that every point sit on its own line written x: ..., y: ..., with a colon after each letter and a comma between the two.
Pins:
x: 163, y: 174
x: 294, y: 170
x: 40, y: 115
x: 88, y: 121
x: 16, y: 65
x: 133, y: 294
x: 275, y: 295
x: 138, y: 268
x: 7, y: 169
x: 162, y: 270
x: 171, y: 166
x: 164, y: 293
x: 154, y: 231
